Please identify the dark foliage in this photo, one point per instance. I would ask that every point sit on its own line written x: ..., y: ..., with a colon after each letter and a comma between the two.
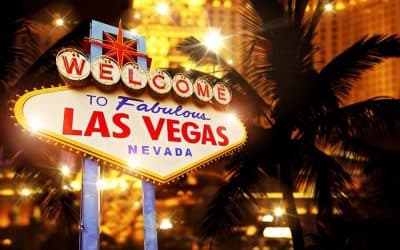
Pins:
x: 311, y: 134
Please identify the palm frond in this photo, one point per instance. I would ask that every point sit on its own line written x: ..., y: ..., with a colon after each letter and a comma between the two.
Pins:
x: 233, y: 202
x: 44, y: 70
x: 246, y: 172
x: 345, y: 69
x: 55, y: 202
x: 199, y: 53
x: 300, y: 7
x: 324, y: 173
x: 22, y: 52
x: 268, y: 11
x: 312, y: 23
x: 351, y: 128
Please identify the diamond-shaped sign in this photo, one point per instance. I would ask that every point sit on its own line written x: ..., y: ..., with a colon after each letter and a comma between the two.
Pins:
x: 156, y: 139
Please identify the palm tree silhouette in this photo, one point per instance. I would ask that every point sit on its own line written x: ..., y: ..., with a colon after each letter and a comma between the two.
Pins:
x: 294, y: 114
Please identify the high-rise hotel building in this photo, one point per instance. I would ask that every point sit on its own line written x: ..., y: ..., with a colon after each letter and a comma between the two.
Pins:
x: 340, y: 27
x: 347, y: 22
x: 166, y: 23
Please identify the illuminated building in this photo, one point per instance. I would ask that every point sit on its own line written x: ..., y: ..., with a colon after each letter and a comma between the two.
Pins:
x: 347, y: 22
x: 165, y: 24
x: 223, y: 14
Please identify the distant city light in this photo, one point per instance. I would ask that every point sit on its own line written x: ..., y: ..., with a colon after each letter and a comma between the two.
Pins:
x: 267, y: 218
x: 213, y: 40
x: 123, y: 185
x: 277, y: 232
x: 278, y: 211
x: 6, y: 242
x: 137, y: 16
x: 26, y: 192
x: 136, y: 204
x: 102, y: 184
x: 59, y: 22
x: 251, y: 230
x: 65, y: 170
x: 75, y: 185
x: 165, y: 224
x: 328, y: 7
x: 162, y: 9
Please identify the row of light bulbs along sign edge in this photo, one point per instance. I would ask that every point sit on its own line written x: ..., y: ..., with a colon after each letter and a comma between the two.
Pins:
x: 74, y: 68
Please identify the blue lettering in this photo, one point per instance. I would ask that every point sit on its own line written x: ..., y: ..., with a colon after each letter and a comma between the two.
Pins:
x: 203, y: 117
x: 178, y: 151
x: 176, y: 112
x: 168, y: 151
x: 157, y: 150
x: 145, y: 150
x: 142, y: 107
x: 132, y: 149
x: 123, y: 100
x: 155, y: 108
x: 188, y: 152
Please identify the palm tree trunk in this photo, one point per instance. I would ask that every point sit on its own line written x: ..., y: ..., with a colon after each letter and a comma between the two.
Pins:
x: 292, y: 217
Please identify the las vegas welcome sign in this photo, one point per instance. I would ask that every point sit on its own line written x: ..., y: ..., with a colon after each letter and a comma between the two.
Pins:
x: 151, y: 125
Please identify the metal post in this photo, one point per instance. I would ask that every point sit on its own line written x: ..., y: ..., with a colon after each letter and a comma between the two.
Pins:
x: 149, y: 216
x: 89, y: 235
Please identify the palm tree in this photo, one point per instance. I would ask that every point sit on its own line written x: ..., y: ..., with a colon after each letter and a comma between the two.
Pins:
x: 294, y: 114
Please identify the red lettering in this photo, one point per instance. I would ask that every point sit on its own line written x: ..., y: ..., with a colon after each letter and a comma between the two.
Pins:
x: 131, y: 79
x: 105, y: 71
x: 156, y: 83
x: 154, y: 132
x: 203, y: 92
x: 208, y: 135
x: 68, y: 121
x: 97, y: 118
x: 221, y: 93
x: 221, y: 133
x: 70, y: 66
x: 172, y: 130
x: 195, y: 135
x: 186, y: 86
x: 125, y: 130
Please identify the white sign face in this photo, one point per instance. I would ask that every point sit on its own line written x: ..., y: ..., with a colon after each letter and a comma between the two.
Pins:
x: 160, y: 140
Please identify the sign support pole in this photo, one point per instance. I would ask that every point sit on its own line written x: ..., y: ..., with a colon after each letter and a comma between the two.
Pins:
x: 89, y: 228
x: 149, y: 216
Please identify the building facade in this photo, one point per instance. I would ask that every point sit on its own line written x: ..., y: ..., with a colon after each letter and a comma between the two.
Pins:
x: 165, y: 24
x: 346, y: 23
